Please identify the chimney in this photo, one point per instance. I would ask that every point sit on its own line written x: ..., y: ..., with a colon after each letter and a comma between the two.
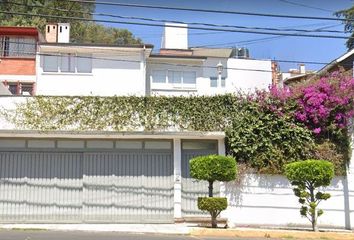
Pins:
x: 57, y: 33
x: 51, y: 33
x: 175, y: 36
x: 302, y: 69
x: 63, y: 32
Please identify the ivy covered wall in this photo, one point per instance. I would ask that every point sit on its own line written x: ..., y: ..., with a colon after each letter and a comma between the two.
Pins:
x: 264, y: 130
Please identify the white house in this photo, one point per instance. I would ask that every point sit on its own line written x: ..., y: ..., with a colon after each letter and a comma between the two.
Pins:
x: 97, y: 70
x: 179, y: 70
x: 65, y: 68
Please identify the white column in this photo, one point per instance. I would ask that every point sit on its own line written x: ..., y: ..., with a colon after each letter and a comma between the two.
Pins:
x: 177, y: 178
x: 221, y: 151
x: 349, y: 201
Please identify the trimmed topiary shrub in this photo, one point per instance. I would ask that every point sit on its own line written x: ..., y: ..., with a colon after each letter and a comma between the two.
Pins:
x: 307, y: 176
x: 213, y: 168
x: 214, y: 205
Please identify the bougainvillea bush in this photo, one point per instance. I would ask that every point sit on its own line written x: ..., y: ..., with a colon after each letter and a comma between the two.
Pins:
x: 265, y: 129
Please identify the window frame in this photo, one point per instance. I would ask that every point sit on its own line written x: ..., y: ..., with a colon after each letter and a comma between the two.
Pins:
x: 222, y: 84
x: 73, y: 58
x: 171, y: 84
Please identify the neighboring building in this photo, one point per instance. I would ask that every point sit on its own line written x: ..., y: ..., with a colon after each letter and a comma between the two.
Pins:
x: 91, y: 69
x: 294, y: 76
x: 18, y: 47
x: 343, y: 63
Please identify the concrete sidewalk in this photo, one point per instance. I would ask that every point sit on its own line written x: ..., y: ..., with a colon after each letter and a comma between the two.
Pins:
x: 188, y: 229
x: 180, y: 228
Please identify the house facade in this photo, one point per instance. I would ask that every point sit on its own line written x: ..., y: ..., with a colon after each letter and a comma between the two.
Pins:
x: 18, y: 47
x: 65, y: 68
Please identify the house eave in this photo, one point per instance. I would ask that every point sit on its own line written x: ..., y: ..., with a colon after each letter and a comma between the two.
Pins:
x: 110, y: 134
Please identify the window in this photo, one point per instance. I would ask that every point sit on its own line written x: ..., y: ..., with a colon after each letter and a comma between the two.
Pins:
x: 17, y: 46
x: 20, y: 88
x: 84, y: 63
x: 50, y: 63
x: 180, y: 78
x: 214, y: 82
x: 189, y: 78
x: 27, y: 89
x: 158, y: 76
x: 67, y: 63
x: 175, y: 77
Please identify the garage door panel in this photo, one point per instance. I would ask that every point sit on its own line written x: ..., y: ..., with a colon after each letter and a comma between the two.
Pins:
x: 158, y: 187
x: 36, y: 187
x: 112, y: 186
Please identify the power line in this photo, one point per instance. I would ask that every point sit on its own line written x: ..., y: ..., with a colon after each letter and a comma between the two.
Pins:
x: 180, y: 22
x: 128, y: 54
x: 189, y: 27
x: 249, y: 42
x: 210, y: 11
x: 306, y: 6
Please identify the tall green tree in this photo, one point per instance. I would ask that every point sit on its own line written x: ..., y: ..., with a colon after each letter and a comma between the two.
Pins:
x: 81, y: 31
x: 348, y: 24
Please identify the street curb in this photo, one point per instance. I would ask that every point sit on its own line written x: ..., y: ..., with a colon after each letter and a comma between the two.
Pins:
x: 270, y: 233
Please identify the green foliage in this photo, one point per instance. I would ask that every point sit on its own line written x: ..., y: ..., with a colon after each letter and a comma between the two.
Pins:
x: 306, y: 177
x: 81, y: 31
x: 314, y: 173
x: 214, y: 205
x: 348, y: 24
x: 213, y: 168
x: 266, y: 140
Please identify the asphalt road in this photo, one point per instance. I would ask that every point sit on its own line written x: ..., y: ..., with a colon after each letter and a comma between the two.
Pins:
x: 61, y: 235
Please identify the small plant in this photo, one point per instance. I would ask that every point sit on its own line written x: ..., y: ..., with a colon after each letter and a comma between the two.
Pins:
x: 307, y: 176
x: 213, y: 168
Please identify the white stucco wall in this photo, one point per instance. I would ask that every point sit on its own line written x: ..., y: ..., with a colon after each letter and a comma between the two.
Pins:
x: 112, y: 74
x: 248, y: 74
x: 269, y: 200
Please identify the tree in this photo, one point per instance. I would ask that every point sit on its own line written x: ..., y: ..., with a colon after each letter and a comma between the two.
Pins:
x: 307, y: 176
x: 81, y: 31
x: 213, y: 168
x: 348, y: 24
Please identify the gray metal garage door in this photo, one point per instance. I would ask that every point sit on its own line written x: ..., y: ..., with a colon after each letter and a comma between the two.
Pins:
x: 40, y: 186
x: 88, y: 186
x: 128, y: 187
x: 191, y: 188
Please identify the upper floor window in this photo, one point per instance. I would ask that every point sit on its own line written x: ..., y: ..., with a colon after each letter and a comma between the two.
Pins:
x: 175, y: 78
x: 17, y: 46
x: 214, y: 82
x: 67, y: 63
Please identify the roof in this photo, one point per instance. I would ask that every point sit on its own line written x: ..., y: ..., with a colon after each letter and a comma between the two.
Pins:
x: 177, y: 56
x: 213, y: 52
x: 336, y: 61
x: 298, y: 77
x: 98, y: 45
x: 27, y: 31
